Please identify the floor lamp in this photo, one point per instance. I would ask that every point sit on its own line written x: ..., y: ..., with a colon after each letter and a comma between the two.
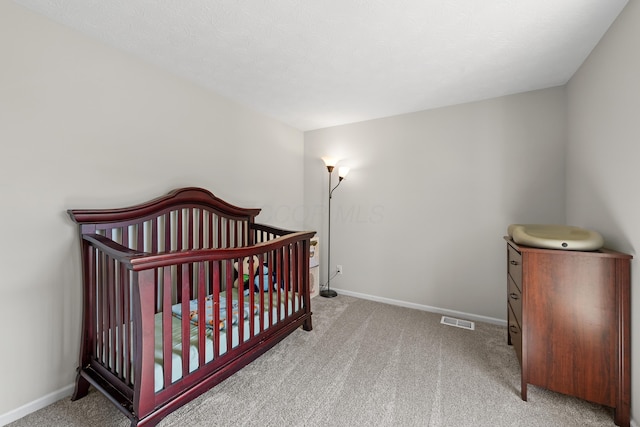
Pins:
x: 342, y: 173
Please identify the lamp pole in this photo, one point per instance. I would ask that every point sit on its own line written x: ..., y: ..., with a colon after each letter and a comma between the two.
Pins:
x: 342, y: 173
x: 328, y: 293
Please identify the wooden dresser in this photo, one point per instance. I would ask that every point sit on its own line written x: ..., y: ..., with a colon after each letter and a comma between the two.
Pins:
x: 569, y: 319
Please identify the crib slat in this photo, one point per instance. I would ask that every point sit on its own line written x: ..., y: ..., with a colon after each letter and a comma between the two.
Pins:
x: 154, y: 235
x: 240, y: 298
x: 166, y: 233
x: 154, y: 249
x: 119, y: 350
x: 228, y: 288
x: 97, y: 320
x: 272, y: 290
x: 293, y: 276
x: 111, y: 313
x: 264, y: 294
x: 290, y: 286
x: 102, y: 309
x: 279, y: 282
x: 301, y: 271
x: 179, y: 229
x: 140, y: 233
x: 216, y: 310
x: 125, y: 236
x: 186, y: 321
x: 213, y: 229
x: 167, y: 327
x: 202, y: 324
x: 223, y: 232
x: 286, y: 253
x: 297, y: 268
x: 241, y: 314
x: 254, y: 298
x: 258, y: 269
x: 210, y: 244
x: 190, y: 215
x: 234, y: 239
x: 109, y: 359
x: 127, y: 337
x: 201, y: 226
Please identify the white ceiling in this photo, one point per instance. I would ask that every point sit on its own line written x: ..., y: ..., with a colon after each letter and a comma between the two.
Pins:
x: 320, y: 63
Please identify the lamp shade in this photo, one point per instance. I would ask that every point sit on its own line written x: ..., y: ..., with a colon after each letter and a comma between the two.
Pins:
x: 329, y: 161
x: 343, y: 171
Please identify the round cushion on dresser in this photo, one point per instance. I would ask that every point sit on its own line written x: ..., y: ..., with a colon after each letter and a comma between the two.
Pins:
x: 553, y: 236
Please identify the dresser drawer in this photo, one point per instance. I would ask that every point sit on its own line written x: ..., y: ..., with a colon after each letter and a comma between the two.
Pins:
x: 515, y: 335
x: 514, y: 296
x: 514, y: 266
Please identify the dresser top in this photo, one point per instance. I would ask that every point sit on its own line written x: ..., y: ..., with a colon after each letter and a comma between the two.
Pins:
x: 603, y: 252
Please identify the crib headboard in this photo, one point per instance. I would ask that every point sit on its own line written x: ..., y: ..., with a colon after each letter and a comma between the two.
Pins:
x: 186, y: 218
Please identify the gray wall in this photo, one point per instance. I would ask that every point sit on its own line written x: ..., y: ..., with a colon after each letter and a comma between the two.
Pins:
x: 420, y: 218
x: 81, y: 126
x: 603, y: 153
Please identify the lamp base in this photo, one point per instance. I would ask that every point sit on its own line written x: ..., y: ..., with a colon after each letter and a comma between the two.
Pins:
x: 328, y: 293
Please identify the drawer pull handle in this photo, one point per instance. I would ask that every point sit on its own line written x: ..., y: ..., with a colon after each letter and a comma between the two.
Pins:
x: 513, y: 328
x: 512, y: 262
x: 514, y: 296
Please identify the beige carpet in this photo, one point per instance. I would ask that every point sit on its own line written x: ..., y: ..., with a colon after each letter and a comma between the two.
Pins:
x: 364, y: 364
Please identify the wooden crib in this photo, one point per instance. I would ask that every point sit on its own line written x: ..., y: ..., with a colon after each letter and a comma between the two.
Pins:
x: 151, y: 272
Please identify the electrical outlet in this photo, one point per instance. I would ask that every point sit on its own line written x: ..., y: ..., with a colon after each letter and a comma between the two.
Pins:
x: 339, y: 269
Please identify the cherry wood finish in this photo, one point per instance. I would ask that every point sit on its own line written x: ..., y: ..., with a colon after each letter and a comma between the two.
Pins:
x: 569, y: 319
x: 139, y: 261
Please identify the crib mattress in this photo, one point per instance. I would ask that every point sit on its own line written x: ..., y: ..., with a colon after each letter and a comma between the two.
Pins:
x: 176, y: 355
x: 551, y: 236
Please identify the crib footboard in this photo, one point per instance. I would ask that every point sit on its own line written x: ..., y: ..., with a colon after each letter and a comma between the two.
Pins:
x: 163, y: 323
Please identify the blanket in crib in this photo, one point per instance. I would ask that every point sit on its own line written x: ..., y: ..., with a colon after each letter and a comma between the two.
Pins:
x: 176, y: 309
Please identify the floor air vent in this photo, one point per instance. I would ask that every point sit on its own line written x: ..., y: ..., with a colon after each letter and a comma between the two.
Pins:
x: 458, y: 323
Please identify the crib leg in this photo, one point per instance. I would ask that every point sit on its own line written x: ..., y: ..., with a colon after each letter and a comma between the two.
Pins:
x: 306, y: 325
x: 82, y: 387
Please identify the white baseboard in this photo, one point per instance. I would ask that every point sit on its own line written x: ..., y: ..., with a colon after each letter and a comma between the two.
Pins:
x: 453, y: 313
x: 37, y: 404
